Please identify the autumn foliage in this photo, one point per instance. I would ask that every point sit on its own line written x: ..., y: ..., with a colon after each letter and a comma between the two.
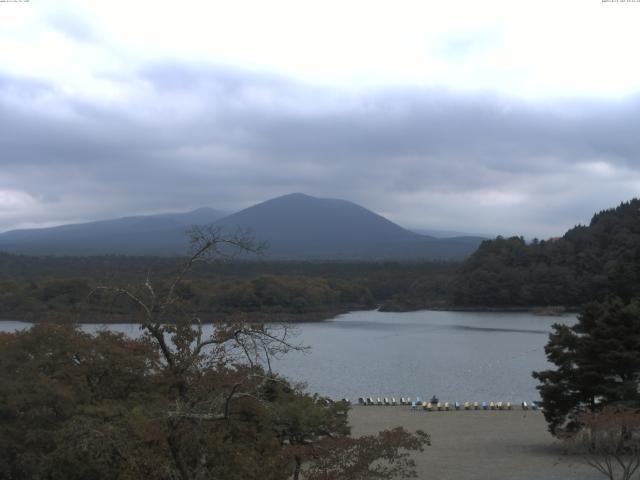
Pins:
x: 175, y: 403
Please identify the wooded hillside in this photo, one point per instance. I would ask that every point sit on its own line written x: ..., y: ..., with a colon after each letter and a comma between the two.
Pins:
x: 586, y: 264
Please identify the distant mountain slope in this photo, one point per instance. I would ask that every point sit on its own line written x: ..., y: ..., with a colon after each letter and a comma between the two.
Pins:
x: 296, y: 226
x: 162, y: 234
x: 299, y: 226
x: 429, y: 232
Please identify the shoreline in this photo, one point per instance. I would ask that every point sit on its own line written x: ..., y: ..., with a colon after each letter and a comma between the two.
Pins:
x: 543, y: 311
x: 281, y: 317
x: 113, y: 319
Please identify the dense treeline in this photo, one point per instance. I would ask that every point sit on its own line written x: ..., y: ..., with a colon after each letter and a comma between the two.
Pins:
x: 63, y: 287
x: 78, y: 299
x: 586, y: 264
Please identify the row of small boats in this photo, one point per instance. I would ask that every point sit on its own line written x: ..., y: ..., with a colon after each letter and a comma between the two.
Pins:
x: 442, y: 406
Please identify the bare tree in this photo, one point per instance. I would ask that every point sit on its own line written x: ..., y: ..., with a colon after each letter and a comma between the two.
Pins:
x: 187, y: 355
x: 217, y: 392
x: 610, y: 441
x: 181, y: 339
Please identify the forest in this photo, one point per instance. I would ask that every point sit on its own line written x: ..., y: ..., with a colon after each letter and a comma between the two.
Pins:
x: 66, y: 287
x: 588, y: 263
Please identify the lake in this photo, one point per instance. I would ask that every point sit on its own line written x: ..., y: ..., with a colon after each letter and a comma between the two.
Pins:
x: 454, y: 355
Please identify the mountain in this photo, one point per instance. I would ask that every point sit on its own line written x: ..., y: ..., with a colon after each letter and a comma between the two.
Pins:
x: 295, y: 226
x: 162, y: 234
x: 298, y: 226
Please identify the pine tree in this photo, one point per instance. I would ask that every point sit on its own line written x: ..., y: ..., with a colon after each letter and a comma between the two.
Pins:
x: 597, y: 360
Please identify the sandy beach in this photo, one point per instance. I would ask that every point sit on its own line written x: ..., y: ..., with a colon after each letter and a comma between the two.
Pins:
x: 491, y: 445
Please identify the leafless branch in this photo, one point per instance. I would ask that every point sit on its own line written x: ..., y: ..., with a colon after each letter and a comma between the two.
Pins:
x: 610, y: 441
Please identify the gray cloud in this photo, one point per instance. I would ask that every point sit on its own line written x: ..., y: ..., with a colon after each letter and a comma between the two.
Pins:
x: 73, y: 26
x: 192, y: 135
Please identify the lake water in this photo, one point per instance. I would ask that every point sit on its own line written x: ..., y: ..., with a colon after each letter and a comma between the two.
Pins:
x: 455, y: 355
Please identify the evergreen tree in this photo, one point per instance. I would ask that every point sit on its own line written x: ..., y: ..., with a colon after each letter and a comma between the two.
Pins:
x: 597, y: 360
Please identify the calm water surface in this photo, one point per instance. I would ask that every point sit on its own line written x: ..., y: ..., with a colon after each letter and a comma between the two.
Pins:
x: 455, y: 355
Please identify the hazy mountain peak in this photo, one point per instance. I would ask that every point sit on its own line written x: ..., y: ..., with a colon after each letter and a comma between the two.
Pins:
x: 302, y: 226
x: 303, y: 198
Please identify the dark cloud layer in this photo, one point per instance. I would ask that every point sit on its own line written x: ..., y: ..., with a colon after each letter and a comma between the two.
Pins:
x: 186, y: 136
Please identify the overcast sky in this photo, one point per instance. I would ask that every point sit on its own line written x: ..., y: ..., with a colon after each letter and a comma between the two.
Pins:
x: 499, y: 117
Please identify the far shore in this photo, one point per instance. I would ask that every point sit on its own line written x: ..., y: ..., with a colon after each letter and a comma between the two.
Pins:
x: 275, y: 317
x: 541, y: 310
x: 252, y: 317
x: 479, y: 445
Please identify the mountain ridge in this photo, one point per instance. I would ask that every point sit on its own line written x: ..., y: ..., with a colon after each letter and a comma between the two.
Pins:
x: 296, y: 226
